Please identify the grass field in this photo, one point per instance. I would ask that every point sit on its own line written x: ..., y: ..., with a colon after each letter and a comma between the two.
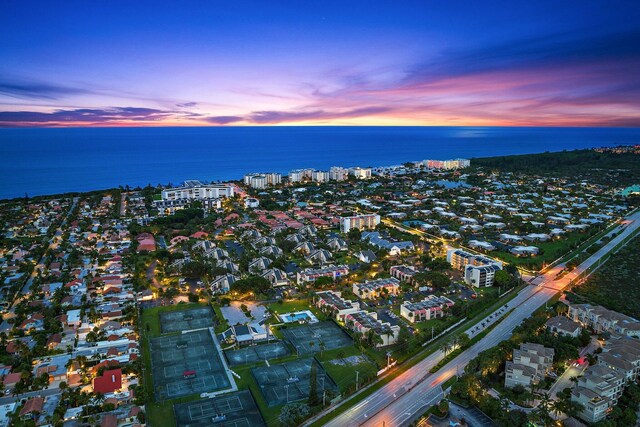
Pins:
x: 615, y: 284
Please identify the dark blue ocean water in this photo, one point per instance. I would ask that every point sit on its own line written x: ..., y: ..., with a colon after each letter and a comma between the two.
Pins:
x: 47, y: 161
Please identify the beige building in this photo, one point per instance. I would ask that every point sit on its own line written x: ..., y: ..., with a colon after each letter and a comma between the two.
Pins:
x: 530, y: 364
x: 598, y: 390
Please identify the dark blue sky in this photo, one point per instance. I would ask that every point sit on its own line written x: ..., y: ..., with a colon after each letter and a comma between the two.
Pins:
x: 416, y: 63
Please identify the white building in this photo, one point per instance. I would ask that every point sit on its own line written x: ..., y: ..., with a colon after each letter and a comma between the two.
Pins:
x: 361, y: 222
x: 360, y: 173
x: 299, y: 175
x: 195, y: 190
x: 337, y: 173
x: 320, y: 176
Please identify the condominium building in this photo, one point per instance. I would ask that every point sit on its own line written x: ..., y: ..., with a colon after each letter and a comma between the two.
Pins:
x: 320, y: 176
x: 431, y: 307
x: 447, y: 164
x: 338, y: 174
x: 601, y: 320
x: 262, y: 180
x: 195, y: 190
x: 331, y: 302
x: 404, y: 273
x: 362, y: 322
x: 360, y: 173
x: 312, y: 274
x: 361, y: 222
x: 299, y: 175
x: 480, y: 276
x: 598, y: 391
x: 375, y: 288
x: 479, y: 271
x: 529, y: 365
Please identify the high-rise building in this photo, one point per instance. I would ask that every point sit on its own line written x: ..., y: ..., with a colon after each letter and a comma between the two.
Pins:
x: 337, y: 173
x: 320, y: 176
x: 361, y: 222
x: 360, y: 173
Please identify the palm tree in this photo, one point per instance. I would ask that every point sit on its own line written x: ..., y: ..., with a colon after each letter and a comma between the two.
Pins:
x: 445, y: 347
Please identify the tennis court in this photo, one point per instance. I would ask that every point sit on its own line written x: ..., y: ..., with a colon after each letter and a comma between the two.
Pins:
x: 290, y: 382
x: 186, y: 320
x: 257, y: 353
x: 229, y: 410
x: 307, y: 339
x: 185, y: 364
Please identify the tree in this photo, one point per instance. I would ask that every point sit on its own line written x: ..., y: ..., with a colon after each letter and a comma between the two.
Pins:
x: 293, y: 413
x: 503, y: 279
x: 313, y: 386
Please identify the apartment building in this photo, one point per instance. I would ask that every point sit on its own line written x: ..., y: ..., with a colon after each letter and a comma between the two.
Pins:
x: 311, y: 274
x: 602, y: 320
x: 299, y: 175
x: 375, y: 288
x: 361, y: 322
x: 598, y: 391
x: 320, y: 176
x: 195, y: 190
x: 529, y: 365
x: 338, y: 174
x: 562, y: 325
x: 480, y: 276
x: 479, y: 270
x: 361, y: 222
x: 431, y: 307
x: 360, y: 173
x: 261, y: 180
x: 403, y: 273
x: 332, y: 302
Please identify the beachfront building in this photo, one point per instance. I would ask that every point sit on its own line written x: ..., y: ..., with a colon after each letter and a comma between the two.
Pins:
x: 337, y: 173
x: 300, y: 175
x: 195, y: 190
x: 361, y: 222
x: 262, y: 180
x: 431, y: 307
x: 360, y: 173
x: 320, y: 176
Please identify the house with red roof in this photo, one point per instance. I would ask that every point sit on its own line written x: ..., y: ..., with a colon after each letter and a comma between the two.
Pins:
x: 110, y: 381
x: 146, y: 242
x: 32, y: 408
x: 11, y: 379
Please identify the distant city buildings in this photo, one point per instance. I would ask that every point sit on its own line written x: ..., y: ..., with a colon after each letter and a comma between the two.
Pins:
x: 260, y: 181
x: 447, y: 164
x: 176, y: 198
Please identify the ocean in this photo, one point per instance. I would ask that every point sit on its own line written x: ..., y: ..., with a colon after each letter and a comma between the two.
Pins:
x: 50, y: 161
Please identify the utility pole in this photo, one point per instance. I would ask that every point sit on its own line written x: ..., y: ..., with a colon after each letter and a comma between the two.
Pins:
x: 357, y: 373
x: 432, y: 330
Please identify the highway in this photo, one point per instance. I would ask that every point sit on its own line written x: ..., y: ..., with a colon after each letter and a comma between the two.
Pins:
x: 406, y: 397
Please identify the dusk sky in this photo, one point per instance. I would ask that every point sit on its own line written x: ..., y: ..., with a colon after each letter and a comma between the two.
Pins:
x: 135, y: 63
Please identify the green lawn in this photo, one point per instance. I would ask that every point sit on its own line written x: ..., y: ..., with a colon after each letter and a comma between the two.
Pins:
x: 345, y: 375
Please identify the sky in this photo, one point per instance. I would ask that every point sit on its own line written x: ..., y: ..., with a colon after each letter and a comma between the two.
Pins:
x: 258, y: 63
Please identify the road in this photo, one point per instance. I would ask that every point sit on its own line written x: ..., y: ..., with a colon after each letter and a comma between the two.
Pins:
x: 404, y: 398
x: 26, y: 289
